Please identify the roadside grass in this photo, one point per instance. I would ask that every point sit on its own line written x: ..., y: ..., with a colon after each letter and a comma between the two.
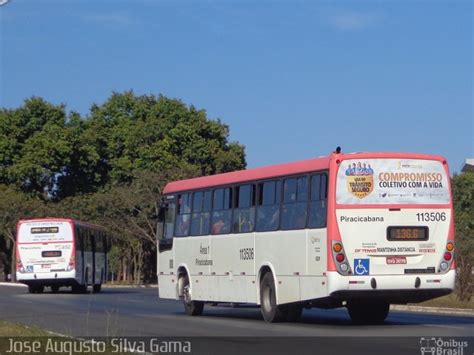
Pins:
x: 448, y: 301
x: 60, y: 345
x: 8, y: 329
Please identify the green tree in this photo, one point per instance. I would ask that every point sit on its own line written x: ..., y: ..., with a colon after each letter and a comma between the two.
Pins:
x: 463, y: 194
x: 157, y: 134
x: 35, y: 146
x: 14, y: 206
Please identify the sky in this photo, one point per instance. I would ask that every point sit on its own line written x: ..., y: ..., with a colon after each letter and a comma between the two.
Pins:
x: 292, y: 79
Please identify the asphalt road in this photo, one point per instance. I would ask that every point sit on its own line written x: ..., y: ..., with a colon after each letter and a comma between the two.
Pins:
x: 139, y: 312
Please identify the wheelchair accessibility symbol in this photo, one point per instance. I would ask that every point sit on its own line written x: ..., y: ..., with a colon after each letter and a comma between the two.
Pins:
x: 361, y: 266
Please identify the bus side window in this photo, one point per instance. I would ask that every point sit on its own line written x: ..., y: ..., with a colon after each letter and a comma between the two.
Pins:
x: 295, y: 195
x: 201, y: 217
x: 99, y: 243
x: 318, y: 204
x: 183, y: 219
x: 221, y: 211
x: 169, y: 215
x: 87, y: 240
x: 79, y: 239
x: 244, y: 212
x: 268, y: 210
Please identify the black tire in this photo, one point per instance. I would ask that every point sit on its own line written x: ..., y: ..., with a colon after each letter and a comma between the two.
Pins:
x: 31, y: 289
x: 40, y: 289
x: 368, y: 313
x: 293, y: 312
x: 54, y: 289
x: 271, y: 312
x: 97, y: 288
x: 192, y: 308
x: 79, y: 289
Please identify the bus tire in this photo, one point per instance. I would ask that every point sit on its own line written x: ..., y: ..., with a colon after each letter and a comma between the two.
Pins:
x: 79, y: 289
x: 55, y: 289
x: 31, y: 289
x: 97, y: 288
x: 368, y: 313
x: 293, y: 312
x: 40, y: 289
x: 192, y: 308
x: 271, y: 312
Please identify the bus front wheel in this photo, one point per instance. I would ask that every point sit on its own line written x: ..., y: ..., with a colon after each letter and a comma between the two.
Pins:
x: 192, y: 308
x: 271, y: 312
x: 368, y: 313
x: 55, y: 289
x: 97, y: 288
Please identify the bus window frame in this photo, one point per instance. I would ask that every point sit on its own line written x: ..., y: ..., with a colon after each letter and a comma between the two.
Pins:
x: 256, y: 183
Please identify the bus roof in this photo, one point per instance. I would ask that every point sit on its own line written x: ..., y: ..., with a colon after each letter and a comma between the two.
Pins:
x: 267, y: 172
x: 292, y: 168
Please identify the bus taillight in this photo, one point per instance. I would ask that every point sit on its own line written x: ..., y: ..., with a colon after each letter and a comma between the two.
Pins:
x: 72, y: 263
x: 340, y: 258
x: 448, y: 258
x: 337, y: 247
x: 19, y: 265
x: 450, y: 246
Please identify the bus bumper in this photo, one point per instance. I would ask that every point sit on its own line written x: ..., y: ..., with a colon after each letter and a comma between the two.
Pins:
x: 50, y: 278
x: 391, y: 288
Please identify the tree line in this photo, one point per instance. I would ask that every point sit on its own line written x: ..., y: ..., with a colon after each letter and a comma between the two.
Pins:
x: 107, y: 168
x: 110, y: 166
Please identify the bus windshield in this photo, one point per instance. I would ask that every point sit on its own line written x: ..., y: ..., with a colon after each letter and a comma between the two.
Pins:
x: 392, y: 181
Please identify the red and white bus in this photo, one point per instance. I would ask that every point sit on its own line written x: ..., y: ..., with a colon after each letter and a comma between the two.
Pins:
x: 58, y: 252
x: 360, y: 230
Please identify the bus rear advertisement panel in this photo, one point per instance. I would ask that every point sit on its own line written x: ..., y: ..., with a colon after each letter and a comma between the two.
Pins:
x: 392, y: 181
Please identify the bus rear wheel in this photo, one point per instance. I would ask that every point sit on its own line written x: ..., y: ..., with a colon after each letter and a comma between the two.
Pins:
x: 79, y: 289
x: 368, y: 312
x: 97, y: 288
x: 192, y: 308
x: 35, y: 289
x: 271, y: 312
x: 54, y: 289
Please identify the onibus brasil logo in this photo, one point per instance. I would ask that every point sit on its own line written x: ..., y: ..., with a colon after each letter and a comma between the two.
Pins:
x: 360, y: 179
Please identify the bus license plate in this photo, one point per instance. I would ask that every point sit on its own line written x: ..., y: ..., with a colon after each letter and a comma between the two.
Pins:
x: 46, y: 266
x: 395, y: 260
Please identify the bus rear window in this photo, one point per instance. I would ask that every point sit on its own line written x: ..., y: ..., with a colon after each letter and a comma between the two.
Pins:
x: 392, y: 181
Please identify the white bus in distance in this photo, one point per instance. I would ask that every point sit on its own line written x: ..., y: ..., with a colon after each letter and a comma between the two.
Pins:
x: 57, y: 252
x: 360, y: 230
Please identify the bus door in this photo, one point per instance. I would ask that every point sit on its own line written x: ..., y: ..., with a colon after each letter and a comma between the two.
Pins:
x: 87, y: 256
x: 99, y: 258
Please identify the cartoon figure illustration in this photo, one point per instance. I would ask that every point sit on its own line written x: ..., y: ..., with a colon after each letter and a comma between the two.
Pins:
x: 370, y: 170
x: 359, y: 169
